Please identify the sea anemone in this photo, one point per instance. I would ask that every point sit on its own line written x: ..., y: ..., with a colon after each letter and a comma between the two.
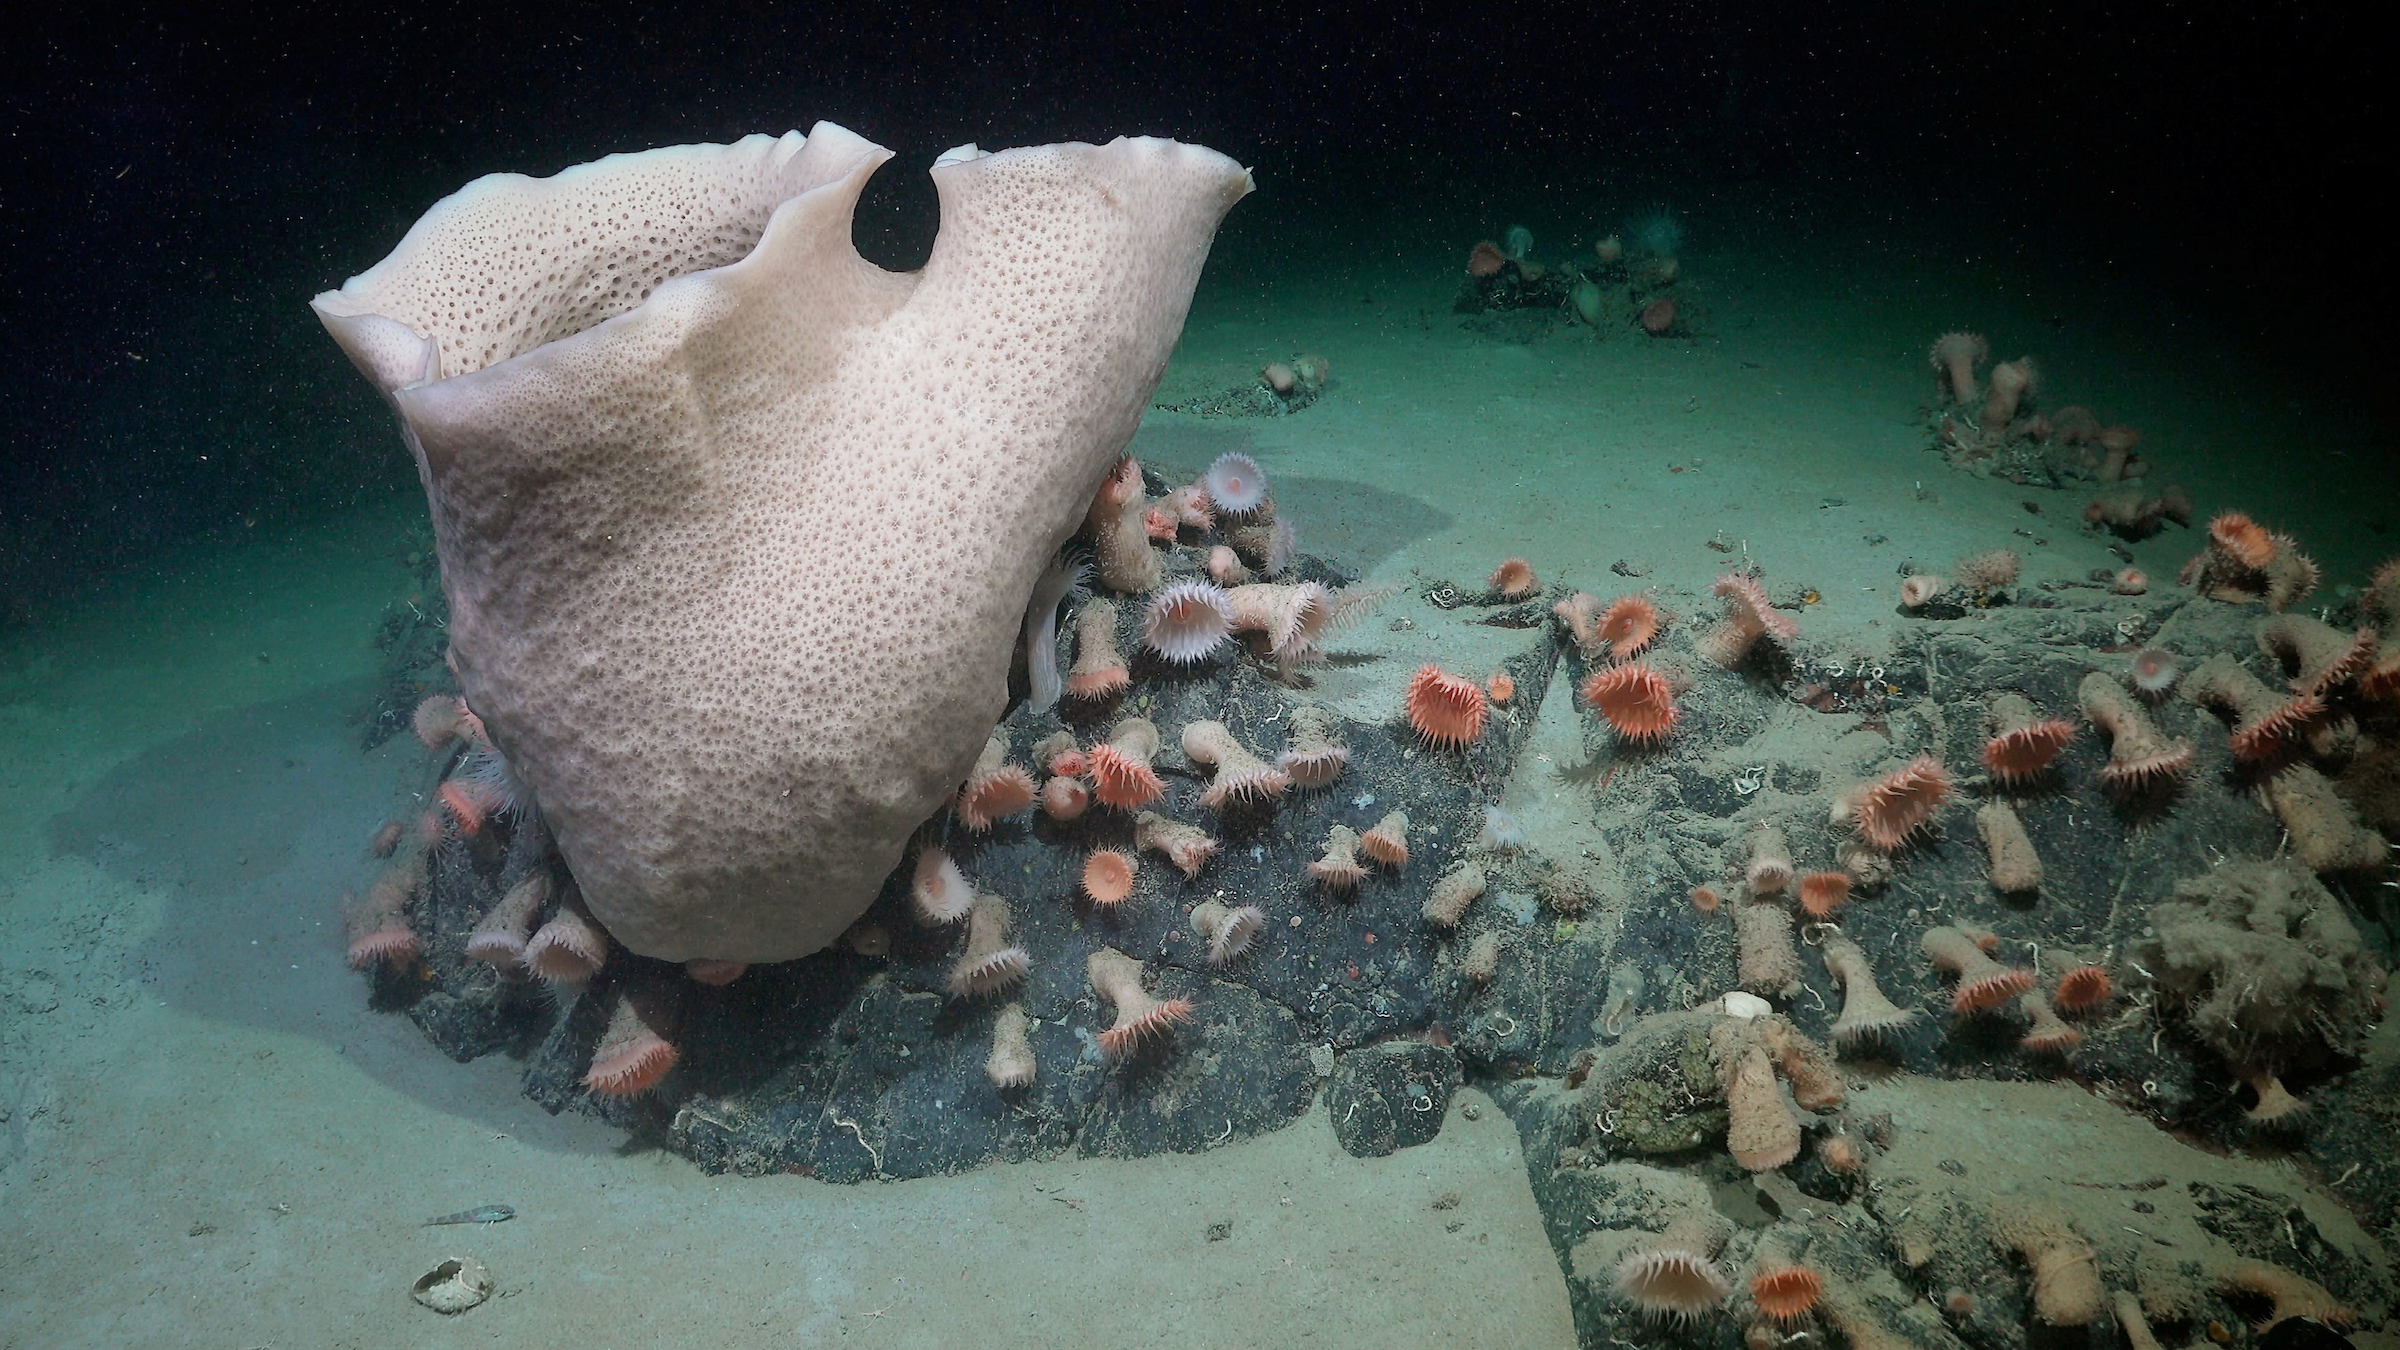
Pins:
x: 1513, y: 579
x: 2015, y: 867
x: 1229, y: 931
x: 1011, y: 1063
x: 1290, y: 619
x: 2265, y: 720
x: 1445, y: 709
x: 2153, y: 672
x: 1982, y: 982
x: 1658, y: 317
x: 1705, y: 899
x: 1955, y: 356
x: 1064, y: 577
x: 571, y: 947
x: 1993, y: 570
x: 1761, y: 1133
x: 1629, y: 624
x: 1187, y: 621
x: 1637, y: 701
x: 1785, y: 1292
x: 995, y: 789
x: 2067, y: 1288
x: 1065, y: 798
x: 2010, y: 381
x: 1502, y: 687
x: 1768, y: 868
x: 1235, y: 484
x: 500, y: 936
x: 1159, y: 523
x: 1108, y: 877
x: 1500, y: 833
x: 1748, y: 617
x: 2275, y: 1101
x: 2048, y: 1035
x: 2291, y: 1295
x: 1120, y: 768
x: 1922, y: 589
x: 1140, y: 1017
x: 1339, y: 869
x: 1187, y: 846
x: 2242, y: 539
x: 634, y: 1053
x: 2023, y: 742
x: 989, y: 964
x: 1225, y: 566
x: 2139, y: 755
x: 938, y: 890
x: 1313, y: 755
x: 436, y: 720
x: 2317, y: 657
x: 1241, y: 777
x: 1387, y: 843
x: 2083, y: 988
x: 1117, y: 524
x: 1866, y: 1013
x: 1677, y: 1277
x: 1190, y: 503
x: 1099, y: 669
x: 1889, y: 809
x: 711, y: 971
x: 1580, y: 612
x: 1485, y: 260
x: 1458, y: 888
x: 2129, y: 581
x: 1821, y: 893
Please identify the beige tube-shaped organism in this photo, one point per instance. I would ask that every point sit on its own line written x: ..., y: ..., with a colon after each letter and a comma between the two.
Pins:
x: 1866, y: 1013
x: 1458, y: 888
x: 1011, y: 1063
x: 2015, y: 867
x: 1767, y: 963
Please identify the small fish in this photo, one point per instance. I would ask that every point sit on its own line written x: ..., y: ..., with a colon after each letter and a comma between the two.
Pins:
x: 479, y: 1214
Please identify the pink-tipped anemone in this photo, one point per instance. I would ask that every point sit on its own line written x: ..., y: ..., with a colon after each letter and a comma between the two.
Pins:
x: 1187, y: 621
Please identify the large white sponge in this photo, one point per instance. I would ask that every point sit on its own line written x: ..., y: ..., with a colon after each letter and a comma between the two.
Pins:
x: 737, y: 528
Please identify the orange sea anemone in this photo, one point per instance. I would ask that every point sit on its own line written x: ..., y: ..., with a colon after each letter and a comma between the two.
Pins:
x: 1785, y: 1293
x: 2130, y: 581
x: 1658, y: 317
x: 1821, y: 893
x: 1705, y: 899
x: 1955, y: 356
x: 2083, y: 988
x: 995, y: 789
x: 2242, y: 539
x: 2017, y: 754
x: 2139, y: 755
x: 1748, y: 617
x: 1108, y: 877
x: 1922, y: 589
x: 1387, y: 843
x: 1677, y: 1278
x: 1892, y: 807
x: 571, y: 947
x: 1065, y: 798
x: 1340, y: 868
x: 1120, y: 768
x: 1485, y: 260
x: 1501, y: 686
x: 1635, y: 699
x: 437, y: 720
x: 1982, y: 982
x: 1445, y: 709
x: 1140, y: 1016
x: 938, y: 890
x: 634, y: 1053
x: 1629, y: 624
x: 1514, y: 579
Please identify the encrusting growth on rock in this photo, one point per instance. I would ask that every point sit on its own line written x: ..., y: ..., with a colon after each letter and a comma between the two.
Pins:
x: 2015, y: 867
x: 1458, y: 888
x: 1982, y: 982
x: 1140, y: 1017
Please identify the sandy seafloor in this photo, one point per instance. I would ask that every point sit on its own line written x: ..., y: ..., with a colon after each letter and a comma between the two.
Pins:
x: 206, y: 1139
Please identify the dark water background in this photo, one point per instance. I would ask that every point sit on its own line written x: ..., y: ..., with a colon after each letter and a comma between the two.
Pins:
x: 177, y: 183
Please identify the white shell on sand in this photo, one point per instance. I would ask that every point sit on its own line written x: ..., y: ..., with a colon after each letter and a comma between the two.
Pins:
x: 454, y: 1286
x: 1738, y: 1004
